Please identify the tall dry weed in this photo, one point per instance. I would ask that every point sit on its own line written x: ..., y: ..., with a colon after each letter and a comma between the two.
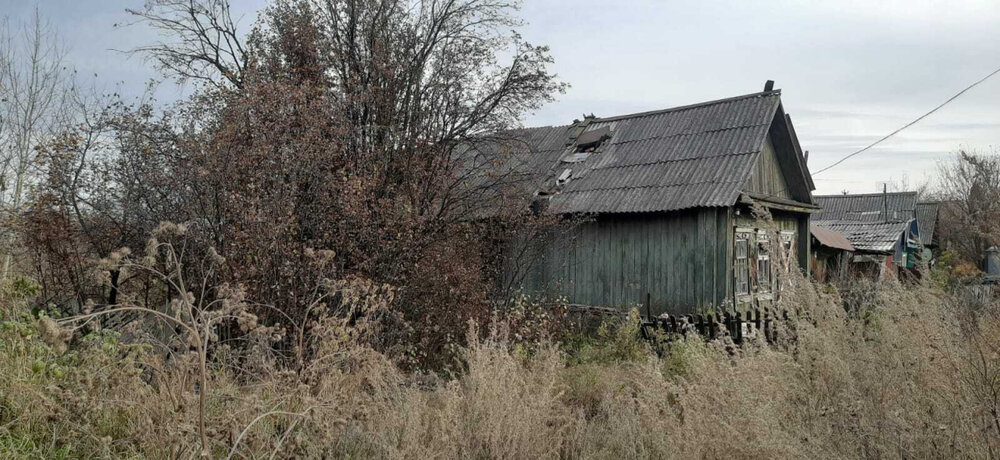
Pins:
x: 895, y: 374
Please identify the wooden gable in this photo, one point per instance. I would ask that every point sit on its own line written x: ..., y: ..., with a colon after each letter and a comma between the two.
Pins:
x: 767, y: 179
x: 780, y: 170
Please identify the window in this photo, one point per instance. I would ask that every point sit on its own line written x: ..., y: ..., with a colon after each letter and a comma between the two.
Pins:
x: 788, y: 250
x: 763, y: 263
x: 741, y: 264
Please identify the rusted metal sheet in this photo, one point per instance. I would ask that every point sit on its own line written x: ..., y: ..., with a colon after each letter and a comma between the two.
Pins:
x: 830, y: 238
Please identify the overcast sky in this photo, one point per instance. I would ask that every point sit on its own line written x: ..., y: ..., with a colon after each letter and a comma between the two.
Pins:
x: 850, y: 71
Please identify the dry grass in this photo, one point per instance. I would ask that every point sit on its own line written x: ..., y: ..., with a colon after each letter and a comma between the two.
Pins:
x: 897, y: 376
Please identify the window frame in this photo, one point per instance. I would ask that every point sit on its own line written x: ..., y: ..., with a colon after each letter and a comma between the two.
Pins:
x: 742, y: 284
x: 765, y: 265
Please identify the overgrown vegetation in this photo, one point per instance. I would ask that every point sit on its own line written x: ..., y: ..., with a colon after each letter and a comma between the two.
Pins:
x: 915, y: 376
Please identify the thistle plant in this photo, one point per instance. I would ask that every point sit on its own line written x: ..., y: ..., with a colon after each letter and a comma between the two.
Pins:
x: 196, y: 305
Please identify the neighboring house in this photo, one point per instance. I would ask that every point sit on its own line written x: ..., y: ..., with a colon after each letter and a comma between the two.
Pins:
x: 882, y: 227
x: 670, y: 197
x: 831, y: 254
x: 927, y: 217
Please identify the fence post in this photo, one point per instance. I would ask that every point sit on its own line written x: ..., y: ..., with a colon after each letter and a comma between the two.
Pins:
x: 739, y: 327
x: 767, y: 325
x: 713, y: 326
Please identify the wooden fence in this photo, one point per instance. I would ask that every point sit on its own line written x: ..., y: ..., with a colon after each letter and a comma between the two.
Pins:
x: 711, y: 326
x: 738, y: 326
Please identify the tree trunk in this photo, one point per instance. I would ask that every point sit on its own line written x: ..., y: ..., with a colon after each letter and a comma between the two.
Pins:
x: 113, y: 294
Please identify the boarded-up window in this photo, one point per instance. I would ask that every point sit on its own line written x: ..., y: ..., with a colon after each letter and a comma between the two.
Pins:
x: 741, y: 263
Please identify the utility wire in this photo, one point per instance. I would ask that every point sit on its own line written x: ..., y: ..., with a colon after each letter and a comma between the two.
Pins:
x: 935, y: 109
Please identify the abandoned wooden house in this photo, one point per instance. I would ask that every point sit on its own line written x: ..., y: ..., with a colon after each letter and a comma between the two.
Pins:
x: 670, y: 195
x: 882, y: 227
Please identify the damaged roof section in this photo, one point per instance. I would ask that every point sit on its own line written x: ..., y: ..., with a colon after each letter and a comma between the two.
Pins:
x: 868, y: 236
x: 593, y: 138
x: 692, y: 156
x: 686, y: 157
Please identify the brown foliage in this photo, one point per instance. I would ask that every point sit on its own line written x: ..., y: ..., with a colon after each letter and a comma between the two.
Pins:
x: 342, y: 131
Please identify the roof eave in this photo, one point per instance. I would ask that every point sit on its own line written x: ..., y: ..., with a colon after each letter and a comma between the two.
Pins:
x: 778, y: 203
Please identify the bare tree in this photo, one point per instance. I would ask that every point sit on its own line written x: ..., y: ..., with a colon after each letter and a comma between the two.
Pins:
x: 903, y: 184
x: 32, y: 83
x: 970, y: 195
x: 200, y: 40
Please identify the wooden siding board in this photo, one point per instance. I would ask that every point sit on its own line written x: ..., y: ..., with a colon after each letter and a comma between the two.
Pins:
x: 706, y: 243
x: 689, y: 289
x: 680, y: 259
x: 724, y: 257
x: 767, y: 177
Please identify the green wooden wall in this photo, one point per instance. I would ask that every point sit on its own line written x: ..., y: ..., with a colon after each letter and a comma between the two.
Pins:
x: 682, y: 259
x: 785, y: 221
x: 767, y: 178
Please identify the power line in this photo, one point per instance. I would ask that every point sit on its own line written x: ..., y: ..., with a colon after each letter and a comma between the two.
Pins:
x: 935, y: 109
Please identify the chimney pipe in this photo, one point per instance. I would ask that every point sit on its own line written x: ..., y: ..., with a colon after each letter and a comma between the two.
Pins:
x: 769, y: 85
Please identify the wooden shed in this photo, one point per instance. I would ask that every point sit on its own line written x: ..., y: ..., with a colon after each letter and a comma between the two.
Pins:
x: 670, y: 195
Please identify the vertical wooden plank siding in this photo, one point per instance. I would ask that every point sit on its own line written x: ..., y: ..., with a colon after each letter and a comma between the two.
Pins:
x: 767, y: 178
x: 803, y: 243
x: 682, y: 259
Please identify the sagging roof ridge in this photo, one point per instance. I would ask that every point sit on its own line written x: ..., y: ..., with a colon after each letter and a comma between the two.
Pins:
x: 776, y: 92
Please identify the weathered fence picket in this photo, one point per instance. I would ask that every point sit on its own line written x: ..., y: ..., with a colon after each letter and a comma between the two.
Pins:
x: 712, y: 326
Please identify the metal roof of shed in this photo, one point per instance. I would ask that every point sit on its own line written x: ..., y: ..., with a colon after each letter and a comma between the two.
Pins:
x: 868, y: 236
x: 868, y: 207
x: 830, y: 238
x: 927, y: 216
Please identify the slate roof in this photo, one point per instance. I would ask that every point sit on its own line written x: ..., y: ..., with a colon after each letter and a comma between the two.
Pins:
x: 867, y: 207
x: 698, y: 155
x: 868, y: 236
x: 830, y: 238
x: 927, y: 216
